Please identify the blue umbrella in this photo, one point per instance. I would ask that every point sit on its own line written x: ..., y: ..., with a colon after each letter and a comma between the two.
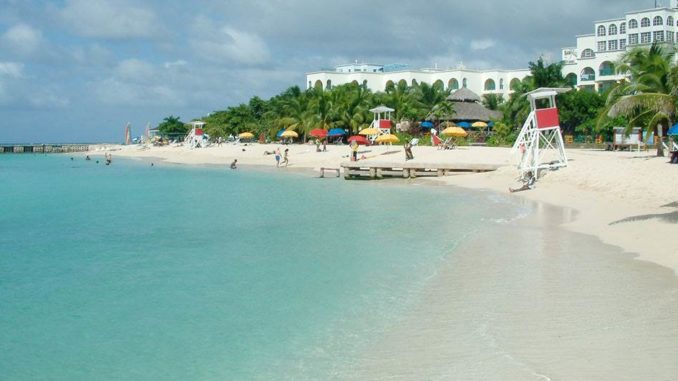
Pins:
x: 490, y: 124
x: 673, y: 130
x: 426, y: 124
x: 279, y: 134
x: 336, y: 132
x: 464, y: 124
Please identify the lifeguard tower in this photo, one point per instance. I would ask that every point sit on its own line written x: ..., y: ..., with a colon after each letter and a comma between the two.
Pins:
x: 382, y: 119
x: 540, y: 142
x: 196, y: 138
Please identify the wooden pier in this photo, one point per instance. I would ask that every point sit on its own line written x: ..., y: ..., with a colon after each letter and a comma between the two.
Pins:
x: 43, y: 148
x: 409, y: 170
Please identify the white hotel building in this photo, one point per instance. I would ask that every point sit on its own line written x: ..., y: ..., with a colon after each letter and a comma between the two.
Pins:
x: 589, y: 65
x: 377, y: 77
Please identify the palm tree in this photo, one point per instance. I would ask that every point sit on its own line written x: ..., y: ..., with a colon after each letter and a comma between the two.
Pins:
x: 492, y: 101
x: 399, y: 97
x: 427, y: 97
x: 350, y: 106
x: 649, y: 97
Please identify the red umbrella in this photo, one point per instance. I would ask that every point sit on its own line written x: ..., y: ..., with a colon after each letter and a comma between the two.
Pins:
x: 318, y: 133
x: 359, y: 139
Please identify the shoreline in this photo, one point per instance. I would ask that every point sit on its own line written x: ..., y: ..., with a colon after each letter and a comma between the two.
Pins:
x: 624, y: 198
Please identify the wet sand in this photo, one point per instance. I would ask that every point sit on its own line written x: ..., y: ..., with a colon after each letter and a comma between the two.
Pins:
x: 528, y: 300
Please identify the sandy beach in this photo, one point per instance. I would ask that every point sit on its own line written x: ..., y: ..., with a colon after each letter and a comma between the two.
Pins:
x: 625, y: 198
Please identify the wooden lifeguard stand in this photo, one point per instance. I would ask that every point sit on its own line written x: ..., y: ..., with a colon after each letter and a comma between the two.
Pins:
x: 196, y: 137
x: 382, y: 119
x: 540, y: 142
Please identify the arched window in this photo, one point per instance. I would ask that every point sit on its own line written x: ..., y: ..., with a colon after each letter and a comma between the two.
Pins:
x: 606, y: 68
x: 490, y: 85
x: 588, y: 74
x: 364, y: 84
x: 415, y: 83
x: 328, y: 86
x: 389, y: 85
x: 309, y: 85
x: 633, y: 24
x: 453, y: 84
x: 669, y: 21
x: 657, y: 21
x: 612, y: 29
x: 402, y: 82
x: 622, y: 28
x: 587, y: 53
x: 464, y: 82
x: 501, y: 83
x: 571, y: 79
x: 645, y: 22
x: 515, y: 82
x: 601, y: 30
x: 439, y: 84
x: 318, y: 85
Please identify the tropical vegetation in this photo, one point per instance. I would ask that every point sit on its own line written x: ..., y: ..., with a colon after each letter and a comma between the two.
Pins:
x: 647, y: 99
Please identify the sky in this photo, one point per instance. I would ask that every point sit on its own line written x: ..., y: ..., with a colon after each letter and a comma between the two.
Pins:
x: 80, y: 70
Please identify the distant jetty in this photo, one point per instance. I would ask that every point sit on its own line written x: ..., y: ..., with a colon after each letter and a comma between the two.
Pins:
x: 43, y: 148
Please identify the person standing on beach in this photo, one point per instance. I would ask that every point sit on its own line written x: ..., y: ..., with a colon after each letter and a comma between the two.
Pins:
x: 325, y: 145
x: 277, y: 157
x: 408, y: 151
x: 234, y: 164
x: 285, y: 161
x: 354, y: 151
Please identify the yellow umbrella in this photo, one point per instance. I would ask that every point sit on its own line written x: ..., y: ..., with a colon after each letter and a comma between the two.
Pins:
x: 246, y: 135
x: 289, y: 134
x: 456, y: 132
x: 387, y: 138
x: 479, y: 124
x: 368, y: 131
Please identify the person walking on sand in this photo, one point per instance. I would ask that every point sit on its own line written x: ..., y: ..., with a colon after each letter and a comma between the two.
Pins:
x: 354, y: 151
x: 408, y: 151
x: 277, y: 157
x: 285, y: 161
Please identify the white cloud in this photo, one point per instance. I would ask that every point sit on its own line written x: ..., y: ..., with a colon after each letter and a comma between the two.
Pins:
x: 93, y: 55
x: 110, y: 19
x: 135, y: 70
x: 483, y: 44
x: 22, y: 39
x: 11, y: 69
x: 228, y: 45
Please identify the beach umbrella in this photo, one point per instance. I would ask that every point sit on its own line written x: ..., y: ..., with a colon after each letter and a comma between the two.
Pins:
x: 464, y: 124
x: 368, y: 131
x: 289, y: 134
x: 387, y: 138
x: 479, y: 124
x: 336, y: 132
x: 246, y: 135
x: 426, y: 124
x: 279, y: 134
x: 673, y: 130
x: 318, y: 133
x: 456, y: 132
x: 359, y: 139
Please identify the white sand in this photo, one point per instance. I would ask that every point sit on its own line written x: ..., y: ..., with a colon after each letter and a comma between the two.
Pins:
x: 604, y: 187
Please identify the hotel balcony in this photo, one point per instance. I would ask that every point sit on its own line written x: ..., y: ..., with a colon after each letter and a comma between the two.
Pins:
x: 604, y: 72
x: 587, y: 77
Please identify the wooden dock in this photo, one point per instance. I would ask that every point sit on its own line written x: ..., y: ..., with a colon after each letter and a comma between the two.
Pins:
x: 378, y: 170
x: 43, y: 148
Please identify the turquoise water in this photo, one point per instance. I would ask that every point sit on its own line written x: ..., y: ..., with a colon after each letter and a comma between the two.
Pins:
x: 170, y: 273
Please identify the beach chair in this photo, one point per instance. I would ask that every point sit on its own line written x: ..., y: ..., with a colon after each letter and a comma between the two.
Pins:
x: 448, y: 144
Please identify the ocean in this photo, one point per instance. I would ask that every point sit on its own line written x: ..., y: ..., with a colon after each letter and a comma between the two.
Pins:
x: 168, y: 272
x: 164, y: 272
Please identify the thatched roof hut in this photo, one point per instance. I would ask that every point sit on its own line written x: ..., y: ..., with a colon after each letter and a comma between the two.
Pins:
x: 467, y: 107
